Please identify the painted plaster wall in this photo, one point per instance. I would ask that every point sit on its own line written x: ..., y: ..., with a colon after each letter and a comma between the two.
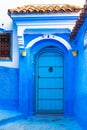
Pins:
x: 80, y: 107
x: 9, y: 88
x: 81, y: 90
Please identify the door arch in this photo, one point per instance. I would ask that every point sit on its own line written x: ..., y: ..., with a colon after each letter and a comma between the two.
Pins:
x: 49, y: 81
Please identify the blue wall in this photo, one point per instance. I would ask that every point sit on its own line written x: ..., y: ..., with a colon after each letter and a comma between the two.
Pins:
x: 9, y: 88
x: 80, y: 107
x: 81, y: 90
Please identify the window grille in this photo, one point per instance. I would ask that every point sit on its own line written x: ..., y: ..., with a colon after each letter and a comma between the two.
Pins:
x: 5, y: 39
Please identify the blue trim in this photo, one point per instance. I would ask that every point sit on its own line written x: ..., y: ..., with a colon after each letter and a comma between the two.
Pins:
x: 2, y: 30
x: 11, y: 47
x: 47, y: 31
x: 3, y: 60
x: 41, y: 17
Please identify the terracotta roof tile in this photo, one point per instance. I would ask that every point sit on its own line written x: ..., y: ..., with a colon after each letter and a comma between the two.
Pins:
x: 44, y: 9
x: 79, y: 22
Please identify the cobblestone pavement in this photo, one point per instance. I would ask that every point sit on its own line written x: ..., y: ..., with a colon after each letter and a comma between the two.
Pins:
x: 42, y: 123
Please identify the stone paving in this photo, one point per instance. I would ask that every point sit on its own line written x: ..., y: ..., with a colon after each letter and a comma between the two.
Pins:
x: 42, y: 123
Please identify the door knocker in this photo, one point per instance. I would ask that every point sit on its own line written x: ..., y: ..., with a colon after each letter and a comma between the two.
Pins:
x: 50, y: 69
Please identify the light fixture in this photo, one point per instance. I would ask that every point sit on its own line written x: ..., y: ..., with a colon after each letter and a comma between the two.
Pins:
x: 74, y: 52
x: 24, y: 53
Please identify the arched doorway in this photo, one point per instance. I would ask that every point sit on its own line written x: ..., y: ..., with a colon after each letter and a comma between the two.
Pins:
x: 35, y: 71
x: 49, y: 81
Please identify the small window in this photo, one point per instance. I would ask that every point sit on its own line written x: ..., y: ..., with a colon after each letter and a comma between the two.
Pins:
x: 5, y: 43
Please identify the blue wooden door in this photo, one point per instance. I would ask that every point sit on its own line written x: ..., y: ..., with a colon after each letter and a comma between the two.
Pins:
x: 50, y: 82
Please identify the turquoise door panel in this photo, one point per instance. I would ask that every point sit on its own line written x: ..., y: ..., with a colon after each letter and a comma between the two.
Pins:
x: 50, y: 82
x: 53, y: 94
x: 57, y: 72
x: 58, y: 60
x: 50, y: 106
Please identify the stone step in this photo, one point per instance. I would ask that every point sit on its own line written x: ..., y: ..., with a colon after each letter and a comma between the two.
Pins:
x: 7, y: 116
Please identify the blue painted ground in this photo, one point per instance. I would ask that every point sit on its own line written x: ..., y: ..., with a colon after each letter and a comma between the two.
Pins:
x: 36, y: 122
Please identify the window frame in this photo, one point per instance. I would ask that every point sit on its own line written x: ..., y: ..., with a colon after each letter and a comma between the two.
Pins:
x: 10, y: 55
